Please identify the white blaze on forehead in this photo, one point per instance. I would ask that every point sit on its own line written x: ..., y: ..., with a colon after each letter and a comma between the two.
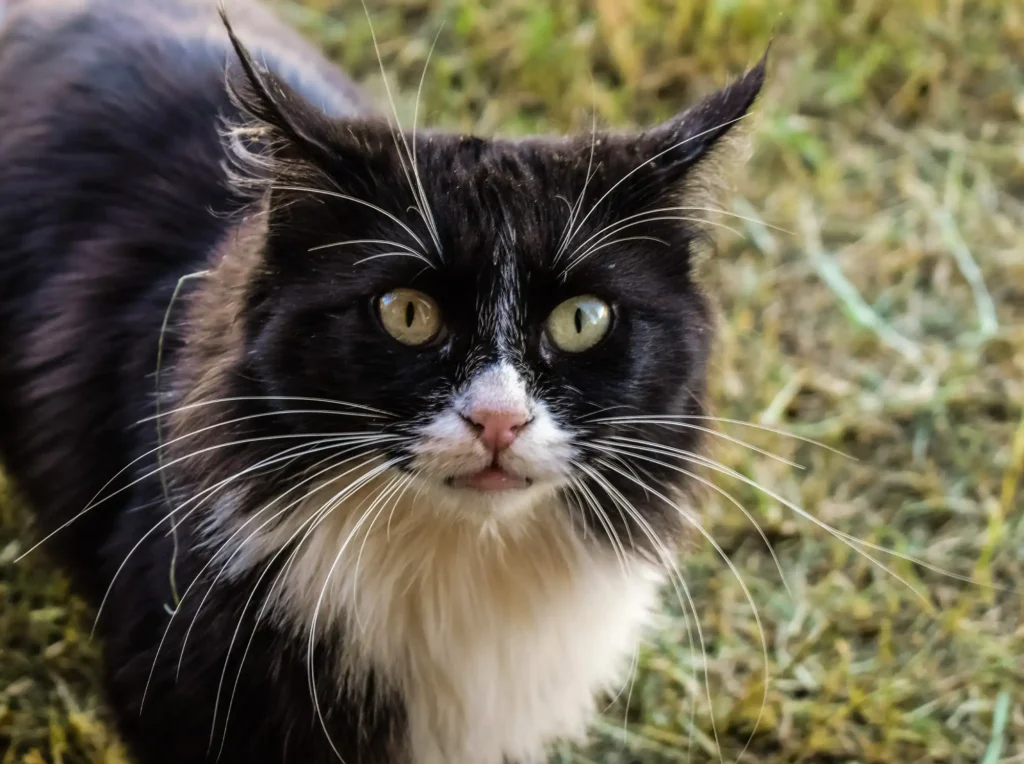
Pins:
x: 498, y: 388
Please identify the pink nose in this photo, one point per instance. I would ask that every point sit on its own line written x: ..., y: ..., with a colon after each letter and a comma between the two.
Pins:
x: 497, y: 429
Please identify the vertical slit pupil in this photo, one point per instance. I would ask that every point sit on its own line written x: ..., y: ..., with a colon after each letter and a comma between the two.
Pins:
x: 578, y: 318
x: 410, y: 314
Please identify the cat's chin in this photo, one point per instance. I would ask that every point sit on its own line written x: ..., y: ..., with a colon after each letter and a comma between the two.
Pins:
x: 489, y: 480
x: 486, y: 497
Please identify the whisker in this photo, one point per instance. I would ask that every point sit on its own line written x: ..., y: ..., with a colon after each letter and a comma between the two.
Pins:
x: 681, y: 218
x: 198, y: 577
x: 242, y: 398
x: 654, y: 214
x: 415, y: 121
x: 313, y: 522
x: 316, y: 613
x: 418, y: 192
x: 351, y: 242
x: 648, y: 160
x: 659, y: 210
x: 574, y: 209
x: 367, y: 456
x: 678, y: 582
x: 156, y: 403
x: 94, y: 504
x: 657, y: 419
x: 613, y: 243
x: 168, y: 516
x: 595, y: 507
x: 398, y: 493
x: 367, y: 259
x: 851, y: 541
x: 746, y: 592
x: 355, y: 200
x: 193, y: 433
x: 717, y: 434
x: 746, y: 513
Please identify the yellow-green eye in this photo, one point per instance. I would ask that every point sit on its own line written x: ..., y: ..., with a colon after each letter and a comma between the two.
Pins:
x: 411, y: 317
x: 579, y: 324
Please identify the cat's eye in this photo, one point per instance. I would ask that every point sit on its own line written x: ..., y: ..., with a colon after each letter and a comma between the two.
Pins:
x: 579, y: 324
x: 411, y: 317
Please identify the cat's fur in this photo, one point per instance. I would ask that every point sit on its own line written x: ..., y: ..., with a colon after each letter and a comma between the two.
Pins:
x: 440, y: 625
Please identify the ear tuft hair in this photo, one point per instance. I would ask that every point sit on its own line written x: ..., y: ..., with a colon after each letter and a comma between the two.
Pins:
x: 282, y: 135
x: 690, y: 136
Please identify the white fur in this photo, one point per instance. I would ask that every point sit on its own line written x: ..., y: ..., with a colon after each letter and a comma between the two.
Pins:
x: 489, y: 613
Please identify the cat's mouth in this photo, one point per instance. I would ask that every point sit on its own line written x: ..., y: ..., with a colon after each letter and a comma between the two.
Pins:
x: 490, y: 479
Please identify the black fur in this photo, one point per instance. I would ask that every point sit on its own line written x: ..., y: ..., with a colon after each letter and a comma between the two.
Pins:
x: 113, y: 186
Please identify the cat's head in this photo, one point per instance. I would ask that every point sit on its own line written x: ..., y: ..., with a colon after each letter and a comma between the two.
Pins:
x: 509, y: 321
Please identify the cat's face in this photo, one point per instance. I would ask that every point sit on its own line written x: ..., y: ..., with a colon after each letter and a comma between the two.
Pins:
x: 505, y: 306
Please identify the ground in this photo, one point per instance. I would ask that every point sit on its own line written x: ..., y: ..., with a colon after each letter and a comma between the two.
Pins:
x: 885, y: 319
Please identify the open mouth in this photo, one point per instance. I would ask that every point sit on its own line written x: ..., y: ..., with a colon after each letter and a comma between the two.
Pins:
x: 492, y: 478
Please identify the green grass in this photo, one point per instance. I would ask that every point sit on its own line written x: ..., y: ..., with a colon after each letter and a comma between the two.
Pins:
x: 889, y: 323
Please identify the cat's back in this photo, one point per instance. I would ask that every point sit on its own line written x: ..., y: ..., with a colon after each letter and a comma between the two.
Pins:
x: 113, y: 108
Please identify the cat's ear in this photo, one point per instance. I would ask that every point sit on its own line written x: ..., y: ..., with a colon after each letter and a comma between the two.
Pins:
x: 284, y: 139
x: 677, y: 147
x: 274, y: 108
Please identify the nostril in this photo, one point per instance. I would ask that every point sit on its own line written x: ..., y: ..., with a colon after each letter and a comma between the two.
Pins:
x: 477, y: 427
x: 517, y: 427
x: 497, y: 429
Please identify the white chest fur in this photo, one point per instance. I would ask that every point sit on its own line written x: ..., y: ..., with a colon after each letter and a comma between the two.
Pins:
x: 498, y: 641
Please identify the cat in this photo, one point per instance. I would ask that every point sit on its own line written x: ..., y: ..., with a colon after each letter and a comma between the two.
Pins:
x: 369, y: 446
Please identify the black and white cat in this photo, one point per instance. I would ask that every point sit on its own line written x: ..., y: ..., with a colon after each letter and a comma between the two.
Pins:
x: 418, y: 461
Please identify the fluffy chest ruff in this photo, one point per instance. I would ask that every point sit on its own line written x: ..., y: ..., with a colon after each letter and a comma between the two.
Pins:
x: 497, y: 638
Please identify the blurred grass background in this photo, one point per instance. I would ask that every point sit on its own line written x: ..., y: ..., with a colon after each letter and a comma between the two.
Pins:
x: 888, y: 322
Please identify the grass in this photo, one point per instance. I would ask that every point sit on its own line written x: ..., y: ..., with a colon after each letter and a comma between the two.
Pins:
x: 889, y: 323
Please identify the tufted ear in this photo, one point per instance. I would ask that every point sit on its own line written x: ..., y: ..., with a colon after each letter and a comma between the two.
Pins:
x: 680, y: 143
x: 279, y: 116
x: 283, y: 140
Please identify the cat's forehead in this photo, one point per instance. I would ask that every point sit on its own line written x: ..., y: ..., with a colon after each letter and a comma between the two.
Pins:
x: 499, y: 198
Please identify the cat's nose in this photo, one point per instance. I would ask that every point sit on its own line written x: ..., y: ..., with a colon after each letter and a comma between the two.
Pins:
x: 497, y: 429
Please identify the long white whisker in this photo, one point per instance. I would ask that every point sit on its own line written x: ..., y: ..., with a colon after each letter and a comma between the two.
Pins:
x: 714, y: 433
x: 216, y: 554
x: 676, y: 578
x: 215, y: 447
x: 238, y: 549
x: 93, y: 502
x: 415, y: 120
x: 602, y: 518
x: 746, y: 513
x: 613, y: 243
x: 644, y: 163
x: 367, y: 456
x: 316, y: 613
x: 350, y: 242
x: 398, y: 493
x: 317, y: 517
x: 659, y: 210
x: 241, y: 398
x: 171, y: 514
x: 355, y: 200
x: 568, y: 233
x: 732, y: 568
x: 670, y: 418
x: 313, y: 521
x: 681, y: 218
x: 596, y: 478
x: 367, y: 259
x: 419, y: 195
x: 851, y: 541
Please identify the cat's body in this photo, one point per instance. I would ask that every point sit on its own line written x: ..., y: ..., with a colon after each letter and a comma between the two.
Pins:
x: 466, y: 593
